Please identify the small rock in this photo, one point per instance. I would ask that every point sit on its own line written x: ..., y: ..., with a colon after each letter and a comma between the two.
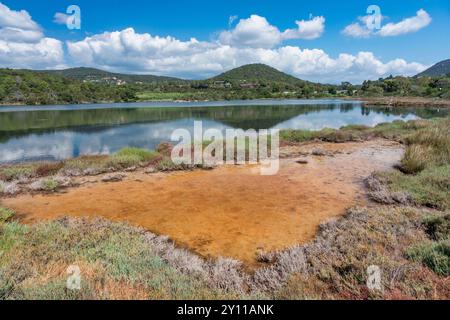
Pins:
x: 131, y: 169
x: 319, y: 152
x: 302, y: 161
x: 114, y: 177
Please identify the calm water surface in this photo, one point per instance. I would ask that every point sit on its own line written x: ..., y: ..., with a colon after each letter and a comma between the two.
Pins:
x: 61, y: 132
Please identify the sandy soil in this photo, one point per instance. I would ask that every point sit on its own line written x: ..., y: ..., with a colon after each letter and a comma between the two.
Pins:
x: 230, y: 211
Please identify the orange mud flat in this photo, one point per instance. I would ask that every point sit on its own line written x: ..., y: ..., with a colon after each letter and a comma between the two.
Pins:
x: 231, y: 211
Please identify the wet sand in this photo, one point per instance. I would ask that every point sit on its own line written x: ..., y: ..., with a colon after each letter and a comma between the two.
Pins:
x: 230, y: 211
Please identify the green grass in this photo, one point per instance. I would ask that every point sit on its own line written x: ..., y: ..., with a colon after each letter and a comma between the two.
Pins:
x: 143, y: 154
x: 118, y: 162
x: 17, y: 172
x: 435, y: 255
x: 431, y: 187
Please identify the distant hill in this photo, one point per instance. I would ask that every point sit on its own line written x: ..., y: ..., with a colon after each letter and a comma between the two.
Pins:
x: 257, y: 73
x: 438, y: 70
x: 97, y: 75
x: 35, y: 87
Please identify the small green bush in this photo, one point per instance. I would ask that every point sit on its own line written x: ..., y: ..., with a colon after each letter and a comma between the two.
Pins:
x: 50, y: 185
x: 6, y: 214
x: 143, y: 154
x: 117, y: 161
x: 437, y: 226
x: 17, y: 172
x: 296, y: 135
x: 435, y: 255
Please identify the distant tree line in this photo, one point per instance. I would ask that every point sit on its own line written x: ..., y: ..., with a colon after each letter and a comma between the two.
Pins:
x: 32, y: 87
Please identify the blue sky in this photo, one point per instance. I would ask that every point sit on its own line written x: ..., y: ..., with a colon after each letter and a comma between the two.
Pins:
x: 268, y: 33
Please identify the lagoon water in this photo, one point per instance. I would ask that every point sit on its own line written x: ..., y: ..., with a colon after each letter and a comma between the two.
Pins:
x: 61, y: 132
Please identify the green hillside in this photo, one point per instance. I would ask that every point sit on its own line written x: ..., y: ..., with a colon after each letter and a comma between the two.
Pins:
x: 32, y: 87
x: 440, y: 69
x: 257, y: 73
x: 96, y: 75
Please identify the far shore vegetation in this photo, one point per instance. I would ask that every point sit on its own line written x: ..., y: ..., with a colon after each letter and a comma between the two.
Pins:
x: 83, y: 85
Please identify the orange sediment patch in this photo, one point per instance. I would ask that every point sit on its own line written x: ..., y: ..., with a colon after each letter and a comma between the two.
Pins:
x: 230, y: 211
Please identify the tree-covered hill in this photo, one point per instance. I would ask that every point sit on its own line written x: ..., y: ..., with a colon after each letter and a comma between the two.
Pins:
x: 31, y: 87
x: 101, y: 76
x: 257, y: 73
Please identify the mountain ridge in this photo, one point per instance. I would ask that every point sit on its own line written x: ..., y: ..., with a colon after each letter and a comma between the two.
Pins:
x: 442, y: 68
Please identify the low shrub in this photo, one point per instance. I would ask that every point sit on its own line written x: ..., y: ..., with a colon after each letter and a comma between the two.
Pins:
x: 165, y: 149
x: 85, y: 164
x: 17, y: 172
x: 50, y: 185
x: 296, y: 135
x: 416, y: 158
x: 6, y: 214
x: 437, y: 226
x: 435, y: 255
x: 48, y: 169
x: 166, y: 164
x: 144, y: 155
x: 117, y: 161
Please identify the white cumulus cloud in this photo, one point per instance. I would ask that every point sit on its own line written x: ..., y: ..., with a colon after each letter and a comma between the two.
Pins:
x: 23, y: 44
x: 407, y: 25
x: 257, y: 32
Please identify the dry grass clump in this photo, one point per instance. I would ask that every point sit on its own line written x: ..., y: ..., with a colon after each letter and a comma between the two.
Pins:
x: 49, y: 169
x: 334, y: 265
x: 428, y: 147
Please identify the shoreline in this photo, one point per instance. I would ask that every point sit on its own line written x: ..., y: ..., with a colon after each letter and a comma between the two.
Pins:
x: 371, y: 101
x: 402, y: 101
